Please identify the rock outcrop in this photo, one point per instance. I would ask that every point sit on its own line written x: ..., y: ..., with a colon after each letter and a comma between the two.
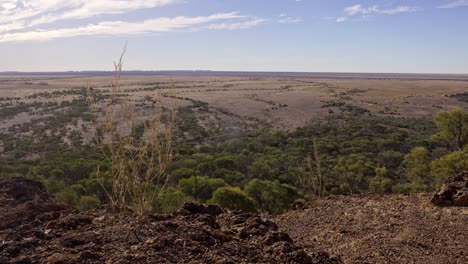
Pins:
x: 39, y: 230
x: 454, y: 192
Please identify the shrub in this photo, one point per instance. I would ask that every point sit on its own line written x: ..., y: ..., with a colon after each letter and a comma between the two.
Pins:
x: 67, y: 196
x: 413, y: 187
x: 201, y: 187
x: 233, y: 198
x: 170, y: 200
x: 273, y: 197
x: 449, y: 165
x: 88, y: 202
x: 379, y: 184
x: 54, y: 186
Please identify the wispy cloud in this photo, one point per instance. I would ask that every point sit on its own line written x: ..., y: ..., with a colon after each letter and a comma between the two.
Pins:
x: 38, y: 20
x: 285, y: 19
x: 38, y: 12
x: 237, y: 25
x: 455, y: 4
x: 132, y: 28
x: 356, y: 10
x: 341, y: 19
x: 291, y: 20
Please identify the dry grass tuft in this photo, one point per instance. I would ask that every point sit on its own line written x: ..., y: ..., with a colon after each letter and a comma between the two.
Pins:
x: 138, y: 163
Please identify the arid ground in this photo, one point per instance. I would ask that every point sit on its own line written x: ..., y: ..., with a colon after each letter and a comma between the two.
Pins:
x: 283, y: 101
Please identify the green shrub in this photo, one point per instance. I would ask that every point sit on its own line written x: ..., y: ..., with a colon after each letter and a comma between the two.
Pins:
x: 413, y: 187
x: 170, y: 200
x: 379, y: 185
x: 54, y: 186
x: 273, y: 197
x: 233, y: 198
x: 67, y: 196
x: 449, y: 165
x: 201, y: 187
x: 182, y: 173
x: 88, y: 202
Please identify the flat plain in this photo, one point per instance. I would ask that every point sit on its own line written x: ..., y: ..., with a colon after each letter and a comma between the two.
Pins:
x: 283, y: 101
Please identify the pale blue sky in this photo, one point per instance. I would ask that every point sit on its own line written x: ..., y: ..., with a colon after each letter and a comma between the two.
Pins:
x: 407, y: 36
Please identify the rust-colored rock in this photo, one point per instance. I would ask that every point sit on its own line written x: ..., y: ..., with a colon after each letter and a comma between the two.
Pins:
x: 453, y: 192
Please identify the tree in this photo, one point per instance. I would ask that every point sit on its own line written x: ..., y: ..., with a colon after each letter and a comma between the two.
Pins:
x: 353, y: 173
x: 450, y: 164
x: 417, y: 166
x: 380, y: 182
x: 234, y: 199
x: 453, y: 127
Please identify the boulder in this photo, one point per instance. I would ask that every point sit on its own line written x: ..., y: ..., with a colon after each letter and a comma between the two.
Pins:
x: 454, y: 192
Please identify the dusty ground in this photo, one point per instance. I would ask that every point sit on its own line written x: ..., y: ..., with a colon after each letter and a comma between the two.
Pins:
x: 381, y: 229
x: 286, y: 102
x: 35, y: 229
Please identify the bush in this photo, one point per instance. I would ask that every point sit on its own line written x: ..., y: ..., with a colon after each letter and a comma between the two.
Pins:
x: 406, y: 188
x: 233, y: 198
x: 201, y: 187
x: 88, y: 203
x: 67, y: 196
x: 170, y: 200
x: 54, y: 186
x: 379, y: 185
x: 182, y: 173
x: 273, y: 197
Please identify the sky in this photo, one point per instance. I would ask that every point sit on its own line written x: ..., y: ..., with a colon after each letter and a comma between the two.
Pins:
x: 396, y: 36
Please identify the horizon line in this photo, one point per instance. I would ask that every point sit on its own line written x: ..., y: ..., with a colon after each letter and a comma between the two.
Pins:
x: 224, y: 71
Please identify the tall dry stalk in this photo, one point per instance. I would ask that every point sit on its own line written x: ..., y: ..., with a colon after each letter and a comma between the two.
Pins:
x: 137, y: 164
x: 312, y: 181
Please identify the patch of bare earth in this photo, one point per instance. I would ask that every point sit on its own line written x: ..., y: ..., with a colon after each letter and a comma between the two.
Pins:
x: 381, y: 229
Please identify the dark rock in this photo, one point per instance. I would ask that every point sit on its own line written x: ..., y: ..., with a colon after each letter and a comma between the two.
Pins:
x: 453, y: 192
x: 22, y: 201
x: 74, y: 221
x: 274, y: 237
x: 194, y: 208
x: 72, y: 242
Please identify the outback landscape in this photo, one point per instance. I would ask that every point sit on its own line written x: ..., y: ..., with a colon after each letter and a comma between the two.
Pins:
x: 344, y: 165
x: 221, y: 131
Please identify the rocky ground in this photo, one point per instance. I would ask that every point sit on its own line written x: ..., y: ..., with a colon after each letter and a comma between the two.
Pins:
x: 36, y: 229
x: 381, y: 229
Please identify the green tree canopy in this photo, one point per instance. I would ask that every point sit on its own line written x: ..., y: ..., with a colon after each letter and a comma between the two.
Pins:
x: 417, y: 166
x: 453, y: 127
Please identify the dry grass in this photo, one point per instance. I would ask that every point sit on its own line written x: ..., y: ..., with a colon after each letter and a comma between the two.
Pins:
x: 312, y: 180
x: 137, y: 162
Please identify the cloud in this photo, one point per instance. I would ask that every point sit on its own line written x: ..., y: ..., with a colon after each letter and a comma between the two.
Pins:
x: 358, y: 9
x: 41, y: 20
x: 355, y: 10
x: 455, y: 4
x: 158, y: 25
x: 237, y: 25
x: 38, y: 12
x: 290, y: 20
x: 341, y: 19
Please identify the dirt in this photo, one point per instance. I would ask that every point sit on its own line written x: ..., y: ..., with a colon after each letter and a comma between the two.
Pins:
x: 36, y: 229
x: 381, y: 229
